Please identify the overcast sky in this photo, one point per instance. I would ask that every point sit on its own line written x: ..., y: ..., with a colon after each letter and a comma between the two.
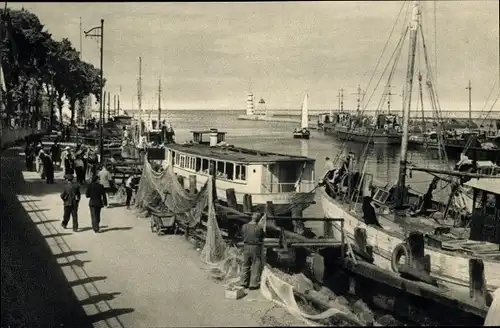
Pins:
x: 206, y: 54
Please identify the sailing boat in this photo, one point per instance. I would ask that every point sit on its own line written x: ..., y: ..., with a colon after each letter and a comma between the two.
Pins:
x: 390, y: 215
x: 303, y: 132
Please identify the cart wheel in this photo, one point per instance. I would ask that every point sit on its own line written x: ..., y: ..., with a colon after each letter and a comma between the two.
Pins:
x: 152, y: 225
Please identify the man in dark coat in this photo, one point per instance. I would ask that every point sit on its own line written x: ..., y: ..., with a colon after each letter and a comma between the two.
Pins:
x: 55, y: 153
x: 71, y: 197
x: 48, y: 168
x: 97, y: 200
x: 253, y: 239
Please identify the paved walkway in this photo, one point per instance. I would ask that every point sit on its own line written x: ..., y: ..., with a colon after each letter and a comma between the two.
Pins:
x: 128, y: 277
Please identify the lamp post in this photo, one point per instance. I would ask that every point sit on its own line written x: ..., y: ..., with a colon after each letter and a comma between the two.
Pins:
x: 99, y: 33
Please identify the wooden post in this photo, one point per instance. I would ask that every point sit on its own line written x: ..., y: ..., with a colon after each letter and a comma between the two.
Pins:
x: 477, y: 281
x: 362, y: 248
x: 328, y: 229
x: 298, y: 226
x: 192, y: 183
x: 270, y: 212
x: 231, y: 198
x: 247, y: 203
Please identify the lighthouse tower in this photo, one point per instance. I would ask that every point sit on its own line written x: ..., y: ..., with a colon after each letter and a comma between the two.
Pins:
x: 250, y: 106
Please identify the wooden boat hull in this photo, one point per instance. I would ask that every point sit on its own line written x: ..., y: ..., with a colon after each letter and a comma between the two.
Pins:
x: 449, y: 268
x: 376, y: 138
x: 455, y: 150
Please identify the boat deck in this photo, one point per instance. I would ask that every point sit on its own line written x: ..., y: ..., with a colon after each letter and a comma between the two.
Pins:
x: 236, y: 154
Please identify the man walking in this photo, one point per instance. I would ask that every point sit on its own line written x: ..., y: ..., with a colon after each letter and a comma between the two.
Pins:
x: 97, y: 199
x: 71, y: 198
x: 253, y: 239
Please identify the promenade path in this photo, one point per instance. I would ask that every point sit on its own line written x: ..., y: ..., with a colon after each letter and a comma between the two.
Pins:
x: 126, y: 276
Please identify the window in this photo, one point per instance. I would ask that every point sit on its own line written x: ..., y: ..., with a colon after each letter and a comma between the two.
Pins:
x: 183, y: 159
x: 177, y: 159
x: 230, y: 170
x: 193, y: 163
x: 205, y: 166
x: 198, y: 164
x: 240, y: 172
x: 221, y: 168
x: 173, y: 154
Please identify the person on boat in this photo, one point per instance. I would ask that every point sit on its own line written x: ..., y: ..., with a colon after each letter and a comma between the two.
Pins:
x: 369, y: 215
x: 253, y: 239
x: 330, y: 168
x: 427, y: 198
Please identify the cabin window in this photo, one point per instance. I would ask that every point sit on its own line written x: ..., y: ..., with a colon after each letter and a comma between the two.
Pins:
x: 177, y: 159
x: 183, y: 158
x: 173, y: 156
x: 240, y: 172
x: 198, y: 164
x: 230, y: 170
x: 221, y: 172
x: 205, y: 165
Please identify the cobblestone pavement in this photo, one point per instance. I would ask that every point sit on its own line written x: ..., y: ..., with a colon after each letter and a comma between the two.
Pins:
x: 128, y: 277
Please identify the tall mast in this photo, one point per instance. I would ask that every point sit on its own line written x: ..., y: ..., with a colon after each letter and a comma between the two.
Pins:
x: 341, y: 100
x: 414, y: 25
x: 389, y: 94
x: 469, y: 87
x: 358, y: 94
x: 139, y: 96
x: 159, y: 102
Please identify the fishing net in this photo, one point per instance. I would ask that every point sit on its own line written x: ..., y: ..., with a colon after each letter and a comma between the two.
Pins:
x: 161, y: 191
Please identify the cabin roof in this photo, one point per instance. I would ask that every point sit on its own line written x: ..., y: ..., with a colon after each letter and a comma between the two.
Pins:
x: 487, y: 184
x: 207, y: 131
x: 236, y: 154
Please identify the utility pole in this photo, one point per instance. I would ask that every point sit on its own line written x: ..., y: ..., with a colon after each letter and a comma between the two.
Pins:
x: 159, y: 102
x: 109, y: 107
x: 139, y: 96
x: 389, y: 94
x: 100, y: 34
x: 341, y: 100
x: 469, y: 87
x: 114, y: 105
x: 358, y: 94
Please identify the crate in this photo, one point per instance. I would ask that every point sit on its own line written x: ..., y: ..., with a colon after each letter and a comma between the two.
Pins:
x: 235, y: 293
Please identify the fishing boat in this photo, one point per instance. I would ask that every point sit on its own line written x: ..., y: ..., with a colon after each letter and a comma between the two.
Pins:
x: 453, y: 233
x: 303, y: 132
x: 265, y: 176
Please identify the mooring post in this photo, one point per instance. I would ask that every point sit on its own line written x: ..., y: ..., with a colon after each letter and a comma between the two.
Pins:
x: 270, y: 212
x: 477, y: 281
x: 416, y: 244
x: 192, y: 183
x: 247, y: 203
x: 231, y: 198
x: 298, y: 226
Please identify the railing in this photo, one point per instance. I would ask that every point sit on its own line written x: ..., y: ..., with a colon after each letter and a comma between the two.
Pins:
x: 304, y: 186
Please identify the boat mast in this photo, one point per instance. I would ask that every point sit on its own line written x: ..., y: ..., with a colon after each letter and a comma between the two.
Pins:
x: 358, y: 94
x: 139, y: 96
x: 414, y: 25
x: 341, y: 100
x: 159, y: 102
x: 469, y: 87
x: 389, y: 94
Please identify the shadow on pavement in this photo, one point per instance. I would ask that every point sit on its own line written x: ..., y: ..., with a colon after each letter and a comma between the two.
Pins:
x: 99, y: 298
x: 115, y: 229
x: 46, y: 221
x: 60, y: 234
x: 34, y: 291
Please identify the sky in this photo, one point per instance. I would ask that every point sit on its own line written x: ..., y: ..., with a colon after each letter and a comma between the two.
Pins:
x: 208, y: 55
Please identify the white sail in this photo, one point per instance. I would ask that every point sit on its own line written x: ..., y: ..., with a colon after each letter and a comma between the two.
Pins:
x: 304, y: 123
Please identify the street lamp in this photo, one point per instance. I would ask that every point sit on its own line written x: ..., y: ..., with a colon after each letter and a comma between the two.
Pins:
x: 99, y: 33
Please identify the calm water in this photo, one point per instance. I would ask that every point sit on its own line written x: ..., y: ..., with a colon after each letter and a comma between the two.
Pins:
x: 383, y: 162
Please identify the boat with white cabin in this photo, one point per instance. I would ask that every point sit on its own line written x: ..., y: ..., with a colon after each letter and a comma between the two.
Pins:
x: 265, y: 176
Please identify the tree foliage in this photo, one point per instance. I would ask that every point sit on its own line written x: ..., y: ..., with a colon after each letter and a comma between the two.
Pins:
x: 34, y: 64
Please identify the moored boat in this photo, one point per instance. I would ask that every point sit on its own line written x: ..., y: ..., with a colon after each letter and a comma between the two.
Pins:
x: 453, y: 233
x: 265, y: 176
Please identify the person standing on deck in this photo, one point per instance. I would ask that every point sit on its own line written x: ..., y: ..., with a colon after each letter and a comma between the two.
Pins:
x: 55, y: 153
x: 97, y: 199
x: 253, y: 239
x: 71, y: 199
x: 329, y: 167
